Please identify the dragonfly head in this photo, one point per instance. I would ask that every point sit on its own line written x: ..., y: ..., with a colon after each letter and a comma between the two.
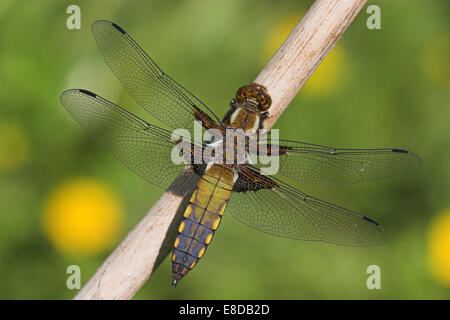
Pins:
x: 254, y: 96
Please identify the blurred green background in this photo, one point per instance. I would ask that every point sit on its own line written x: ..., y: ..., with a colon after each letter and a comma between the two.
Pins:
x: 65, y: 200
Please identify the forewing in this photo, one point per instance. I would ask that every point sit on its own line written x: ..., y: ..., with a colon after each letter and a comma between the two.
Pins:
x: 155, y: 91
x: 325, y: 165
x: 287, y: 212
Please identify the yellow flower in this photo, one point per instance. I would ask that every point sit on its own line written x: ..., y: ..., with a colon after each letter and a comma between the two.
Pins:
x: 14, y: 146
x: 328, y: 76
x: 278, y: 34
x: 82, y: 216
x: 439, y: 247
x: 435, y: 60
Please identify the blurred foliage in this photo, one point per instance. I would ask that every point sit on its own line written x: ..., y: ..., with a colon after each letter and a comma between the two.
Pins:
x: 377, y: 88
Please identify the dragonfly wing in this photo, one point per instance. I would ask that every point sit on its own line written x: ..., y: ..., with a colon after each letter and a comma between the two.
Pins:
x: 155, y: 91
x: 325, y: 165
x: 142, y: 147
x: 274, y: 207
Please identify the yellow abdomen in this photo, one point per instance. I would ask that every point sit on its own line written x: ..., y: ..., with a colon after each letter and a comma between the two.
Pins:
x: 201, y: 218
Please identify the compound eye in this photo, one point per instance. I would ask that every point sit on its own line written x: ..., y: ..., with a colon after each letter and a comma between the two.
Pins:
x: 265, y: 103
x: 241, y: 94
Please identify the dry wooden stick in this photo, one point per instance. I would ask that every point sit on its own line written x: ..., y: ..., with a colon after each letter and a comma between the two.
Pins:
x: 145, y: 247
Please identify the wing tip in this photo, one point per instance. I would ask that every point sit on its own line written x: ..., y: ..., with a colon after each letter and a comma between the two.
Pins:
x: 87, y: 92
x: 98, y: 23
x: 65, y: 94
x: 69, y: 92
x: 118, y: 28
x: 371, y: 220
x: 412, y: 155
x: 385, y: 237
x: 381, y: 241
x: 84, y: 91
x: 400, y: 150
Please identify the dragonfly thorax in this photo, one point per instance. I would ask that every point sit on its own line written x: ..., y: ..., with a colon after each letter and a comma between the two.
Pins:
x: 245, y: 119
x: 231, y: 149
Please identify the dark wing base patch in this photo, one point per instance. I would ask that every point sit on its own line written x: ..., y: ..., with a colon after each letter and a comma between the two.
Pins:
x: 251, y: 180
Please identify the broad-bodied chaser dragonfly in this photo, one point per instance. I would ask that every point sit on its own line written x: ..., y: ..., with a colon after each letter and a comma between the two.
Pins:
x: 263, y: 202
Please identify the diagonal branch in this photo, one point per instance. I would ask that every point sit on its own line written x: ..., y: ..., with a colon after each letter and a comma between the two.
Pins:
x: 145, y: 247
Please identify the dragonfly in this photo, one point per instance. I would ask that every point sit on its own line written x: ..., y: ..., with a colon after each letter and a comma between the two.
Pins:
x: 264, y: 202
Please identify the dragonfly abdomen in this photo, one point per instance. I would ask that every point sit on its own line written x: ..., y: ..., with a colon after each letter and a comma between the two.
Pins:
x: 201, y: 218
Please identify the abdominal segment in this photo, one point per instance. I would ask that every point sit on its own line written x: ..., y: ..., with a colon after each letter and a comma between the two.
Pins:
x: 201, y: 218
